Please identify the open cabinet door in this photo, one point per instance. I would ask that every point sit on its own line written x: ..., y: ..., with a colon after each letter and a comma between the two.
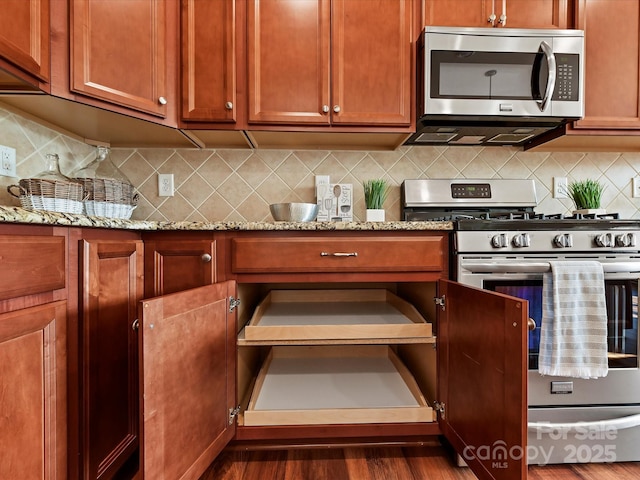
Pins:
x: 482, y: 381
x: 187, y: 380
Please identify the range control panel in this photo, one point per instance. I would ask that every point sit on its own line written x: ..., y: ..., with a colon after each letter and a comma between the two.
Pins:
x: 470, y: 190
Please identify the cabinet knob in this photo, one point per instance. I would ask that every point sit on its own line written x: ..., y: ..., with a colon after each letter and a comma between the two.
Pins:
x: 206, y: 258
x: 135, y: 325
x: 336, y: 108
x: 162, y: 100
x: 228, y: 105
x: 325, y: 109
x: 532, y: 324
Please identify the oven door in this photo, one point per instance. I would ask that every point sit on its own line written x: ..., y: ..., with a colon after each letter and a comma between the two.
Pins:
x: 522, y: 277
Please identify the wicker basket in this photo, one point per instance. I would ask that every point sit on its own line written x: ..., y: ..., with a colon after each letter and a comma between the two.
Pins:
x: 108, y: 198
x: 51, y: 195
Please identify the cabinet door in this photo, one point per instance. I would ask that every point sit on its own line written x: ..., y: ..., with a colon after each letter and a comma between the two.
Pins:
x: 536, y: 14
x: 24, y: 36
x: 118, y: 52
x: 476, y: 13
x: 174, y: 266
x: 187, y: 368
x: 208, y: 60
x: 288, y: 61
x: 482, y: 379
x: 458, y: 13
x: 111, y: 284
x: 612, y: 67
x: 33, y: 399
x: 371, y: 59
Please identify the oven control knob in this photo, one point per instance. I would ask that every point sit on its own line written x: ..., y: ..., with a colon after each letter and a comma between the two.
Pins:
x: 521, y: 240
x: 499, y: 241
x: 563, y: 240
x: 604, y: 240
x: 626, y: 240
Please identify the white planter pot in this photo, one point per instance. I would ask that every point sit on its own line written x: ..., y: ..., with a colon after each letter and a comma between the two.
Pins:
x: 375, y: 215
x: 587, y: 211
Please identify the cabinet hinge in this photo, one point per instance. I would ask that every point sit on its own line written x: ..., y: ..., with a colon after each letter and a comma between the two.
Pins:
x: 440, y: 301
x: 233, y: 413
x: 233, y: 303
x: 439, y: 407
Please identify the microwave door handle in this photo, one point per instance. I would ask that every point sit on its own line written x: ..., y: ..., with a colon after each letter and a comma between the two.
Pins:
x: 551, y: 78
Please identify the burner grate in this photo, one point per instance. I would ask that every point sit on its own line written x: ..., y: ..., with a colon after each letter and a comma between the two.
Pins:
x: 582, y: 216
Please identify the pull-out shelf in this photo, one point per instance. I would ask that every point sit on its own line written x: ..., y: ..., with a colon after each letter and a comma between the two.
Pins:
x: 335, y: 385
x: 349, y: 314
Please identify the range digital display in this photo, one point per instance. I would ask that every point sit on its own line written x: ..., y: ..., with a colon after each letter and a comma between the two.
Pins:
x: 470, y: 190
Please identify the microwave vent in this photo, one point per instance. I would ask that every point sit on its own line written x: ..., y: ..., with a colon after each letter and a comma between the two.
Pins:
x: 433, y: 137
x: 513, y: 138
x: 470, y: 140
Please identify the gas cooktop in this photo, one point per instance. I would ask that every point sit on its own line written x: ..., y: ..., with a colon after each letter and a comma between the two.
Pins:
x: 492, y: 204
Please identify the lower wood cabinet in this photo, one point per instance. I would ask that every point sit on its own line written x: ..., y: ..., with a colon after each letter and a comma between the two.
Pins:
x: 104, y: 353
x: 187, y: 365
x: 172, y: 266
x: 157, y: 387
x: 33, y: 352
x: 468, y: 349
x: 33, y: 399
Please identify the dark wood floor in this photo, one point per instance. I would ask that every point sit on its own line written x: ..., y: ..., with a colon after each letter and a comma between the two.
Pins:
x: 388, y: 463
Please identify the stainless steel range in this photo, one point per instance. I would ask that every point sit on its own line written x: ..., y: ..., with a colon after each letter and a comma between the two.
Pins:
x: 499, y: 243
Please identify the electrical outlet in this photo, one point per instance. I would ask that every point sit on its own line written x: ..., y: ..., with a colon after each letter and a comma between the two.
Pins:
x: 636, y: 187
x: 560, y: 187
x: 7, y: 161
x: 165, y: 184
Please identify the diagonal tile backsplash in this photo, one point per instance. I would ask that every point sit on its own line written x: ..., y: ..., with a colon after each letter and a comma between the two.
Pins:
x: 239, y: 185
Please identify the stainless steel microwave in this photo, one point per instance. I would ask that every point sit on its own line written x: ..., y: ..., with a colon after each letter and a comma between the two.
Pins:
x: 499, y: 76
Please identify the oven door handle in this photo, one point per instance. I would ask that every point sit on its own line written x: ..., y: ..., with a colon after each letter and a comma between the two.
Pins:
x: 619, y: 423
x: 541, y: 267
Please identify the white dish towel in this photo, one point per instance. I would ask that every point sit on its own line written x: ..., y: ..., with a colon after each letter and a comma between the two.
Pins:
x: 573, y: 334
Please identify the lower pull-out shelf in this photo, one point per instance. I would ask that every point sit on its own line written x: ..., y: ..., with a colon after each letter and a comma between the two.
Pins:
x: 335, y: 385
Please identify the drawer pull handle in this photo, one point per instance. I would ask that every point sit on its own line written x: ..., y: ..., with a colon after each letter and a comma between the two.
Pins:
x: 339, y: 254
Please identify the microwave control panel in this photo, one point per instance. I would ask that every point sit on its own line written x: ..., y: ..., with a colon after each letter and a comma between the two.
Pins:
x: 567, y: 77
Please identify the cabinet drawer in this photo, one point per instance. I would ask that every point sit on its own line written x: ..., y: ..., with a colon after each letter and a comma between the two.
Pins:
x: 344, y: 254
x: 31, y: 264
x: 335, y: 385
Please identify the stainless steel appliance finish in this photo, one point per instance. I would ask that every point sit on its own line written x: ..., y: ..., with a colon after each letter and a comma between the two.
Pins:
x: 486, y: 86
x: 508, y: 250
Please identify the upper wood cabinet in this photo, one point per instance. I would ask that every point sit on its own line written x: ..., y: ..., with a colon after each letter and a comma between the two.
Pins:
x: 24, y: 40
x: 121, y: 53
x: 612, y: 65
x: 209, y: 52
x: 330, y: 62
x: 519, y: 13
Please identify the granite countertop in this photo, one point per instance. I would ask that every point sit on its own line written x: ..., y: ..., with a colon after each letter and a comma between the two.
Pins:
x: 10, y: 214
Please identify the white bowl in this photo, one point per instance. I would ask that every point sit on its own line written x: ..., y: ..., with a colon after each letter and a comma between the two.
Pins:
x: 294, y: 212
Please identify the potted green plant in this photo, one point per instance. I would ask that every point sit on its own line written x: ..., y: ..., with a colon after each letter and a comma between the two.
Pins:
x: 375, y: 193
x: 586, y: 196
